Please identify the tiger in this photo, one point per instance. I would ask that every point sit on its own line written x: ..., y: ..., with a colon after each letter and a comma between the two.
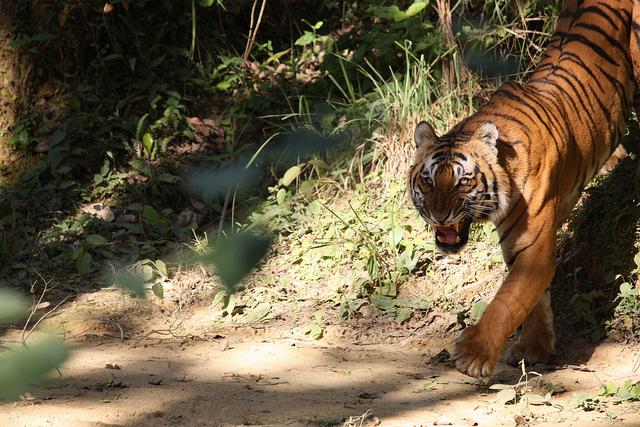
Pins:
x: 521, y: 161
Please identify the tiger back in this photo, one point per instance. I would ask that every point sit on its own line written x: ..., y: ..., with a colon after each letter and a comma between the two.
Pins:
x: 522, y: 161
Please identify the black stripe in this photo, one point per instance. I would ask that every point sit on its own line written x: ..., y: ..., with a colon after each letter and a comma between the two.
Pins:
x: 597, y: 11
x: 571, y: 99
x: 510, y: 261
x: 612, y: 41
x: 508, y: 230
x: 579, y: 38
x: 622, y: 15
x: 510, y: 118
x: 534, y: 109
x: 614, y: 82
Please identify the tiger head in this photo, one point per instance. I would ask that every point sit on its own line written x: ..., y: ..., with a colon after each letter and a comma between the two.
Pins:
x: 456, y: 179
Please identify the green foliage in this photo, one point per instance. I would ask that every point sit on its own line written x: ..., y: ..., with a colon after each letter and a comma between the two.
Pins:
x: 19, y: 368
x: 608, y: 394
x: 583, y: 306
x: 11, y: 306
x: 235, y: 256
x: 588, y: 403
x: 30, y: 41
x: 355, y: 232
x: 385, y: 26
x: 628, y: 392
x: 228, y: 301
x: 506, y: 39
x: 627, y: 310
x: 524, y: 393
x: 316, y: 329
x: 469, y: 315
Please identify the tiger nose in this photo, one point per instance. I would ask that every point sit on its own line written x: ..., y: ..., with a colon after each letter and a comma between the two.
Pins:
x: 442, y: 219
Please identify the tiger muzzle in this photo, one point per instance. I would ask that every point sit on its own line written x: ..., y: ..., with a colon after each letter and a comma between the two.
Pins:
x: 450, y: 239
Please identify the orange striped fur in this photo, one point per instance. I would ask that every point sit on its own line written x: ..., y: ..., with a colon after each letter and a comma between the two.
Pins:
x: 522, y: 161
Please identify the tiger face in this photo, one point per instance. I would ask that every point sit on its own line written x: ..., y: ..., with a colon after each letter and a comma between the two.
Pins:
x: 456, y: 180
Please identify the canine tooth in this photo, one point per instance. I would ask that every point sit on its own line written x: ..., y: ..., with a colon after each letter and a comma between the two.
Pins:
x: 457, y: 239
x: 441, y: 239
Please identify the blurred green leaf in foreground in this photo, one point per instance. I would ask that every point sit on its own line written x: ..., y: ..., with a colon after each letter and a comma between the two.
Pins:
x: 20, y: 368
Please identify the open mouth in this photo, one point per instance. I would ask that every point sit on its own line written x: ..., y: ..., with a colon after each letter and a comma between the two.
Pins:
x: 452, y: 238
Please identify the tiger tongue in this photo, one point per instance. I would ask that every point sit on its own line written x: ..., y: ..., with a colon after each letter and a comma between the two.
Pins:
x: 449, y: 234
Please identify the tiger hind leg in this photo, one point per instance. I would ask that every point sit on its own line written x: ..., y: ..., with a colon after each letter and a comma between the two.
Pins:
x: 537, y: 340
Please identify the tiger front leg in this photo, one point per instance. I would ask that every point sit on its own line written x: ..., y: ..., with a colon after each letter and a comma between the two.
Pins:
x: 478, y: 347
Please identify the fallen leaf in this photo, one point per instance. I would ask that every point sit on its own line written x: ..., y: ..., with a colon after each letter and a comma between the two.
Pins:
x: 195, y: 121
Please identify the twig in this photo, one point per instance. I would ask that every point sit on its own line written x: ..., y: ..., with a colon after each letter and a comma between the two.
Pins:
x: 116, y: 324
x: 225, y: 206
x: 256, y: 379
x: 253, y: 30
x: 157, y: 331
x: 37, y: 306
x: 357, y: 421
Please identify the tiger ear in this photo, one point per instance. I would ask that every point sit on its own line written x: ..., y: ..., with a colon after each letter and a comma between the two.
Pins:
x: 487, y: 132
x: 424, y: 133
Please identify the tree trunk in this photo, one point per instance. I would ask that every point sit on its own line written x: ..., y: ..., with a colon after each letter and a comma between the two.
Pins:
x: 9, y: 58
x: 444, y: 26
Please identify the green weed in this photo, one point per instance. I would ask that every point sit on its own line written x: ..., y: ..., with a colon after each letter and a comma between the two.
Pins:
x: 316, y: 329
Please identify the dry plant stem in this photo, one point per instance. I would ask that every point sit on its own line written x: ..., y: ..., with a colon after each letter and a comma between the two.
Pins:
x: 247, y: 48
x: 445, y: 27
x: 225, y: 206
x: 357, y: 421
x: 254, y: 29
x: 38, y: 305
x: 116, y: 324
x: 154, y: 331
x: 169, y: 331
x: 24, y: 339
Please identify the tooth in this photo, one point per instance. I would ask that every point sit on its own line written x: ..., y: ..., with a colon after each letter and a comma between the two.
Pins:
x: 457, y: 239
x: 441, y: 239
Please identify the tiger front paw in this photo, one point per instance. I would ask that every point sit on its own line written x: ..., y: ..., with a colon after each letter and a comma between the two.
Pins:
x: 476, y: 352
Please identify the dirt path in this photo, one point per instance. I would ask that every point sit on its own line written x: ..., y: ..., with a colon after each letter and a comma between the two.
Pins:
x: 280, y: 377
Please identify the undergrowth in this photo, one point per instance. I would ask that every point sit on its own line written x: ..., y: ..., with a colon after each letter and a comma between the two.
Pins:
x: 158, y: 139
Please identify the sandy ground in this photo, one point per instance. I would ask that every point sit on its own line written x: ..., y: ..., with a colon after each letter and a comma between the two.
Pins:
x: 213, y: 375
